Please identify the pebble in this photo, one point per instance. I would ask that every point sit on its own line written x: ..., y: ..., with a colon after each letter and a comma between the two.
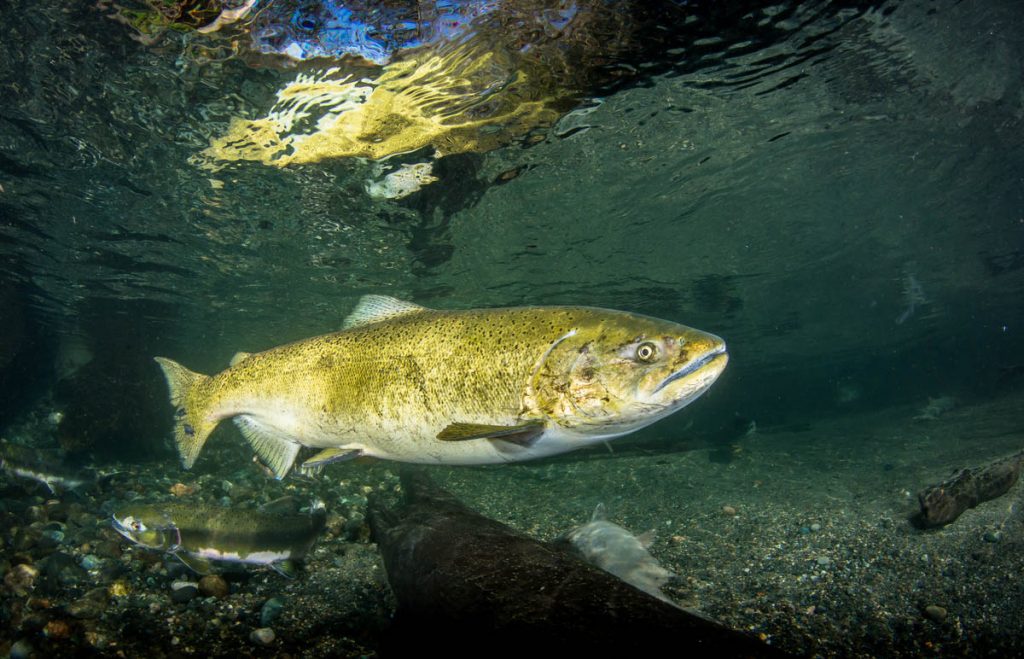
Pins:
x: 118, y: 589
x: 61, y: 570
x: 824, y: 560
x: 57, y: 629
x: 935, y: 612
x: 213, y: 586
x: 51, y: 538
x: 815, y: 527
x: 183, y: 591
x: 262, y: 636
x: 21, y: 650
x: 108, y: 549
x: 56, y: 510
x: 181, y: 490
x: 992, y: 536
x: 729, y: 510
x: 38, y: 603
x: 21, y: 579
x: 24, y: 539
x: 91, y: 562
x: 271, y: 610
x: 90, y: 606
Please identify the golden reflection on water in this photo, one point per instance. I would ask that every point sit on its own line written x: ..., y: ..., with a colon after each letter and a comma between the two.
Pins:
x: 465, y: 97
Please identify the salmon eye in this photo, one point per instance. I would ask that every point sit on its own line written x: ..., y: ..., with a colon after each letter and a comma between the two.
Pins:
x: 646, y: 351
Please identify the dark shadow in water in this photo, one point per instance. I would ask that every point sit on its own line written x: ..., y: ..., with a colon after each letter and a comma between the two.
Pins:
x: 116, y: 406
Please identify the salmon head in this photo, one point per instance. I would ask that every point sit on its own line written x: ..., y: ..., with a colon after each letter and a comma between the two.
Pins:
x: 618, y: 372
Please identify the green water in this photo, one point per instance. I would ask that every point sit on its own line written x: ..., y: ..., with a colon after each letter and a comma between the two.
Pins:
x: 841, y: 198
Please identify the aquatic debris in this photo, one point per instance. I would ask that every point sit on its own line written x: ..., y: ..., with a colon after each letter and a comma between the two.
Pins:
x: 401, y: 183
x: 198, y: 534
x: 913, y: 297
x: 617, y: 551
x: 228, y: 16
x: 941, y: 504
x: 44, y: 467
x: 73, y: 352
x: 935, y: 408
x: 482, y: 386
x: 460, y: 577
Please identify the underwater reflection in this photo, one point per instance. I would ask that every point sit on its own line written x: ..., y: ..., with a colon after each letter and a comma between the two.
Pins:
x: 380, y: 79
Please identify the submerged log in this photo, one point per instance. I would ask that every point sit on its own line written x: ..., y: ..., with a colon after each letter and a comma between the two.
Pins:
x: 468, y: 585
x: 941, y: 504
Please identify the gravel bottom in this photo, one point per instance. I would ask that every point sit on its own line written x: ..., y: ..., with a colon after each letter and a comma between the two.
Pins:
x: 800, y: 534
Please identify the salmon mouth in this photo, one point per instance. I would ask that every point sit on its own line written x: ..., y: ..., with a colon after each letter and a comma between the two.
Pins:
x: 694, y: 365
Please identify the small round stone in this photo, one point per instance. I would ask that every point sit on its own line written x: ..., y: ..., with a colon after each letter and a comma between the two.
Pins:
x: 262, y: 636
x: 91, y: 561
x: 824, y: 561
x: 118, y: 589
x: 935, y: 612
x: 183, y: 591
x: 57, y: 629
x: 729, y: 510
x: 21, y: 579
x: 21, y: 650
x: 815, y: 527
x: 271, y: 610
x: 213, y: 585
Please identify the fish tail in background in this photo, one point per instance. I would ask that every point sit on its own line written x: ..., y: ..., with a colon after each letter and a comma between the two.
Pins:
x: 191, y: 423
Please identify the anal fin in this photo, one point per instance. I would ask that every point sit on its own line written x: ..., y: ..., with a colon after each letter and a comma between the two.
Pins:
x: 276, y: 450
x: 285, y: 568
x: 523, y: 434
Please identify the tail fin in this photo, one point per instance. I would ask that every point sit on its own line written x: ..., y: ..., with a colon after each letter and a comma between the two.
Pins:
x: 191, y: 425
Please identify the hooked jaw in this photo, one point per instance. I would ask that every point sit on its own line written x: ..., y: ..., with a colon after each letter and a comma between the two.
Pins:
x: 713, y: 359
x: 695, y: 375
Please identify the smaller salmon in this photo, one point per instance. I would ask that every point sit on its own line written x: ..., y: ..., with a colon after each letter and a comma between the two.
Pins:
x: 198, y: 534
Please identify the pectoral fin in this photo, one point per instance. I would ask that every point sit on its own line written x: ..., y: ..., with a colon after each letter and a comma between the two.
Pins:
x: 523, y: 434
x: 277, y: 451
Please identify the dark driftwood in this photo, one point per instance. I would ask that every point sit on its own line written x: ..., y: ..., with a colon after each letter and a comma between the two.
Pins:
x: 468, y: 585
x: 944, y: 502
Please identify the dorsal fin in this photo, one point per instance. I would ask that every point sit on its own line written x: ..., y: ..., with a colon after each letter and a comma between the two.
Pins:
x: 239, y: 356
x: 599, y: 514
x: 375, y: 308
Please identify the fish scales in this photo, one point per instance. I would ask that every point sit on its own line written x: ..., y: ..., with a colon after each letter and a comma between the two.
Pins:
x: 401, y: 379
x: 198, y: 534
x: 239, y: 532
